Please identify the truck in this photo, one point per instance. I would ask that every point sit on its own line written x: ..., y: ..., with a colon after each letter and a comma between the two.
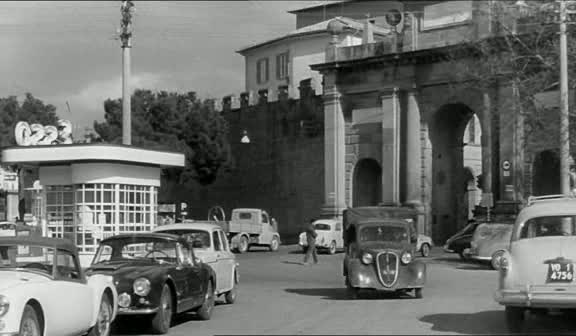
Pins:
x: 247, y: 227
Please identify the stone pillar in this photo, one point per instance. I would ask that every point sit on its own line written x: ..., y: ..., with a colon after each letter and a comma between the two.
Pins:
x: 334, y: 149
x: 391, y: 148
x: 486, y: 140
x: 414, y: 159
x: 413, y: 152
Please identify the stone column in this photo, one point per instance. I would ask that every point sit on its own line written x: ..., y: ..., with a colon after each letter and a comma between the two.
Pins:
x: 413, y: 152
x: 334, y: 149
x: 391, y: 148
x: 486, y: 140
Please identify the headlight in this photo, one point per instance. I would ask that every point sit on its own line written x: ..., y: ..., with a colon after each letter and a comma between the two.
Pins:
x: 124, y: 300
x: 504, y: 263
x: 4, y: 305
x: 141, y: 286
x: 367, y: 258
x: 406, y: 258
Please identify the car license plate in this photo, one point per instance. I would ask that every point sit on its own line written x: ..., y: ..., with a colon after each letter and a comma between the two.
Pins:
x: 560, y: 272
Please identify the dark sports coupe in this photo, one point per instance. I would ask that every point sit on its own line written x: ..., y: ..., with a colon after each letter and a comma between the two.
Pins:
x: 156, y: 274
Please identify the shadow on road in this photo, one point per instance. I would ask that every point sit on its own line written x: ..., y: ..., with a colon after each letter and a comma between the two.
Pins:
x: 340, y: 294
x: 492, y: 322
x: 141, y: 325
x: 292, y: 262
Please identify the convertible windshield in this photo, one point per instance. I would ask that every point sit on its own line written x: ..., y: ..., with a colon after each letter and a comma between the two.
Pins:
x: 322, y: 227
x: 548, y: 226
x: 27, y: 257
x: 195, y: 235
x: 137, y: 248
x: 388, y: 233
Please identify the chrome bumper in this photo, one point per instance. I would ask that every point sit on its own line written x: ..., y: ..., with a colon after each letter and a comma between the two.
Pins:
x: 136, y: 311
x: 536, y: 298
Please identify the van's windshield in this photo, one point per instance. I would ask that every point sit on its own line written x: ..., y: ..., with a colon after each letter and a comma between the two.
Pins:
x: 383, y: 232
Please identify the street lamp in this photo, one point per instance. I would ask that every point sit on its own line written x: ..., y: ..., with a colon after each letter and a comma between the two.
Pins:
x: 245, y: 139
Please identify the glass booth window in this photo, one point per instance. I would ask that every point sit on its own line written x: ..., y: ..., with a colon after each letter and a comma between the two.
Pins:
x: 87, y: 213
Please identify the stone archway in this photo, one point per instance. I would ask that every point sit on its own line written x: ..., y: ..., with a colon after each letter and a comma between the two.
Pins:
x: 545, y: 173
x: 449, y: 178
x: 367, y: 183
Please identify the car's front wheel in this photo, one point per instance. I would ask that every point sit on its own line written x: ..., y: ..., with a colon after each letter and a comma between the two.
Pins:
x: 104, y: 320
x: 496, y: 259
x: 243, y: 246
x: 332, y: 249
x: 515, y: 317
x: 231, y: 295
x: 163, y: 318
x: 205, y: 311
x: 29, y: 325
x: 274, y: 244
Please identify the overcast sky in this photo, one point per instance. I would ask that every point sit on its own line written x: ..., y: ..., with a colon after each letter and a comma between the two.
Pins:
x: 65, y: 50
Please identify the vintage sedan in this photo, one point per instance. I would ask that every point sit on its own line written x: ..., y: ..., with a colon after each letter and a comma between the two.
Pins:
x: 380, y: 251
x: 329, y: 236
x: 156, y: 275
x: 537, y: 271
x: 461, y: 240
x: 44, y: 292
x: 489, y: 243
x: 213, y: 249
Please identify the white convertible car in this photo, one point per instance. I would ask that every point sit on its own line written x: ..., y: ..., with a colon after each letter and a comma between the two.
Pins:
x: 43, y: 291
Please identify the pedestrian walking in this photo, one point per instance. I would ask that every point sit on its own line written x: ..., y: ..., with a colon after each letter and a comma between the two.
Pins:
x: 311, y: 240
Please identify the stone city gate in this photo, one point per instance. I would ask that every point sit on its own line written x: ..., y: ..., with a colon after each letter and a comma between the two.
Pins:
x: 397, y: 123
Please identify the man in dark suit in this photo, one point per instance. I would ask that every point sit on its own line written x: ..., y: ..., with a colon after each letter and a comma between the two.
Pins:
x: 311, y: 240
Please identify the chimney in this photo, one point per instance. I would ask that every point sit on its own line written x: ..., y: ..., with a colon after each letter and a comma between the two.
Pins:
x: 368, y: 34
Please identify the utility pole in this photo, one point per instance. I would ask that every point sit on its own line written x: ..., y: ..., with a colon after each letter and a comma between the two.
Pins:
x: 126, y: 39
x: 564, y: 108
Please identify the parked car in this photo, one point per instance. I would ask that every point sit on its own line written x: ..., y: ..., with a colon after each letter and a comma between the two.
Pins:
x: 489, y: 243
x: 247, y: 228
x: 329, y: 237
x: 45, y: 292
x: 213, y: 249
x: 537, y: 271
x: 461, y: 240
x: 156, y: 275
x: 380, y: 251
x: 423, y: 242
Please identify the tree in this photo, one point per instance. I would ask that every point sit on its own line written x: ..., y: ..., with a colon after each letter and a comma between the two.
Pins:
x: 31, y: 110
x: 524, y: 55
x: 173, y: 121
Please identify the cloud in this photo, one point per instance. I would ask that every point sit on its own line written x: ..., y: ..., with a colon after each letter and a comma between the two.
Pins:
x: 86, y: 104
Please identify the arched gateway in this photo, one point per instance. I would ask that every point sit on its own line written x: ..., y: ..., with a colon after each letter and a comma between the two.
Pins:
x: 414, y: 119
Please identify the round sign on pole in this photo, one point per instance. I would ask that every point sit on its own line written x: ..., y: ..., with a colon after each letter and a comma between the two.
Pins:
x: 506, y: 165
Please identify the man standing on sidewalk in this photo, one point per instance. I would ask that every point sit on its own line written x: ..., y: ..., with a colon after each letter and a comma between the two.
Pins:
x: 311, y: 240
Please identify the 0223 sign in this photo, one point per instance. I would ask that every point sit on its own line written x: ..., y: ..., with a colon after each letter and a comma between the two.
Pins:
x: 560, y: 272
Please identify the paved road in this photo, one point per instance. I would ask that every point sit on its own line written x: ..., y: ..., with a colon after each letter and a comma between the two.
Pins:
x: 280, y: 296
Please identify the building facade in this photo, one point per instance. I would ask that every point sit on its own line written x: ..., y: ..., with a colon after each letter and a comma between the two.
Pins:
x: 278, y: 65
x: 395, y: 119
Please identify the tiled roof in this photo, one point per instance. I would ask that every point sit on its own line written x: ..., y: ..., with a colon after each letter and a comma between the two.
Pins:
x: 320, y: 27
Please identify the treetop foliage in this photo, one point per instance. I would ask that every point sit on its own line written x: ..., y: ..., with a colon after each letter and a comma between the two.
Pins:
x: 176, y: 122
x: 30, y: 109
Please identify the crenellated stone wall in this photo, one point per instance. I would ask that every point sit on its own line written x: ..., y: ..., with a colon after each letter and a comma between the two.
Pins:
x: 281, y: 170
